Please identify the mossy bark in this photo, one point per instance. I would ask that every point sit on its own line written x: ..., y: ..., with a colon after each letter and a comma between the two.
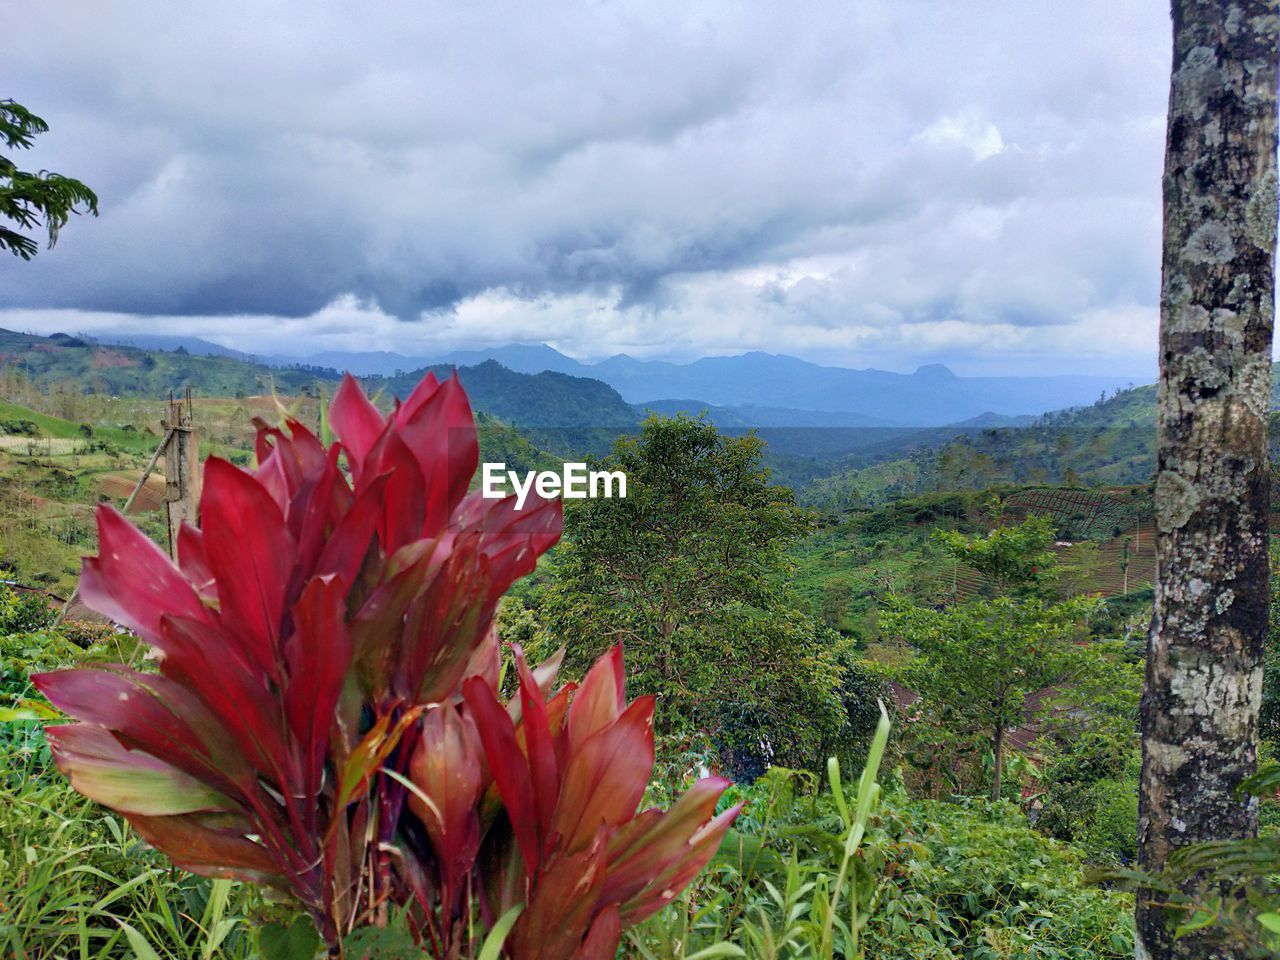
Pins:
x: 1204, y: 651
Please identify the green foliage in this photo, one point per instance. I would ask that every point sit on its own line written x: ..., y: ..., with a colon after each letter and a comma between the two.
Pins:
x: 1091, y: 796
x: 23, y: 610
x: 1269, y: 719
x: 1011, y: 558
x: 76, y: 882
x: 34, y: 424
x: 19, y: 428
x: 689, y: 571
x: 861, y: 690
x: 933, y: 881
x: 25, y: 653
x: 29, y: 199
x: 1227, y: 889
x: 976, y: 664
x: 1107, y: 444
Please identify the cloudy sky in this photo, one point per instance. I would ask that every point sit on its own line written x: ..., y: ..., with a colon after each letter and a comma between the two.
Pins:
x: 858, y: 182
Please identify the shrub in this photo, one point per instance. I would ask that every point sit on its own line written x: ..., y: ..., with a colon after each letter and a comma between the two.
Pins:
x: 28, y: 653
x: 932, y: 881
x: 23, y: 610
x: 20, y: 428
x: 325, y: 719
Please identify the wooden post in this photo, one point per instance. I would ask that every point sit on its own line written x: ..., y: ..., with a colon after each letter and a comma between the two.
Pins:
x: 181, y: 468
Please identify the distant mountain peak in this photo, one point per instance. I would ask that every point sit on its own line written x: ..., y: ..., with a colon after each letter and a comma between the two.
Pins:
x: 935, y: 371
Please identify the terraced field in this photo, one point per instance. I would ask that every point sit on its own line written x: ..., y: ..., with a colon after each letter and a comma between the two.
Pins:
x: 1114, y: 530
x: 118, y: 486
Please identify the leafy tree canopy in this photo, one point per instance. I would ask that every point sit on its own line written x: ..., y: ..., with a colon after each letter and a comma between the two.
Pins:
x: 977, y: 663
x: 30, y: 199
x: 690, y: 572
x: 1012, y: 557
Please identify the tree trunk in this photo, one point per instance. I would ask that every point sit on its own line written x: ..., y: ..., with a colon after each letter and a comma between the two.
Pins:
x: 997, y: 762
x: 1204, y: 651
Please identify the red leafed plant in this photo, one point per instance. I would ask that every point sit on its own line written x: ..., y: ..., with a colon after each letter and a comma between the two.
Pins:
x: 326, y: 720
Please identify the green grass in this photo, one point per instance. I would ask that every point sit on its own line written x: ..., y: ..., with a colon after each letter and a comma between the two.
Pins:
x: 75, y: 882
x: 66, y: 430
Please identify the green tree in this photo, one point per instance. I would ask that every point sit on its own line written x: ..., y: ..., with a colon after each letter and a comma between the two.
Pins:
x: 29, y: 199
x: 976, y: 664
x: 1012, y: 558
x: 689, y: 571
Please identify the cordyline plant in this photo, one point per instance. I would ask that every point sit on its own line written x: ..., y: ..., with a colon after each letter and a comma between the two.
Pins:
x: 326, y: 717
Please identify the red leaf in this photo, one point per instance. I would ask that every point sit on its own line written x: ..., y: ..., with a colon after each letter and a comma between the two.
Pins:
x: 210, y: 845
x: 317, y: 654
x: 423, y: 392
x: 441, y: 432
x: 355, y: 421
x: 131, y: 581
x: 192, y: 561
x: 606, y: 777
x: 659, y: 847
x: 448, y: 769
x: 130, y: 781
x: 404, y: 503
x: 680, y: 872
x: 207, y: 661
x: 539, y: 746
x: 249, y: 551
x: 349, y: 544
x: 509, y: 767
x: 603, y: 938
x: 561, y: 907
x: 312, y: 516
x: 599, y: 699
x: 153, y: 714
x: 378, y: 627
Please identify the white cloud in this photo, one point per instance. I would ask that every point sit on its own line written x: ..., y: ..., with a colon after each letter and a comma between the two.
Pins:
x: 980, y: 137
x: 889, y: 182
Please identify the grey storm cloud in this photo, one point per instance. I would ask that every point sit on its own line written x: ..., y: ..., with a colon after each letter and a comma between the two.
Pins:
x: 857, y: 178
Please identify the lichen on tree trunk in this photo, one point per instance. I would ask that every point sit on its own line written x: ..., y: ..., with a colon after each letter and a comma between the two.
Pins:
x: 1204, y: 651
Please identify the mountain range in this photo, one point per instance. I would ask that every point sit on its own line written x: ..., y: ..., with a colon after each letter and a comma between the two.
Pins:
x: 755, y: 389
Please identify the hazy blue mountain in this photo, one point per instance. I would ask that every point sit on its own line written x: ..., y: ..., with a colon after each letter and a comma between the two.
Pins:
x: 517, y: 357
x: 376, y: 363
x: 932, y: 396
x: 748, y: 416
x: 161, y: 341
x: 524, y: 358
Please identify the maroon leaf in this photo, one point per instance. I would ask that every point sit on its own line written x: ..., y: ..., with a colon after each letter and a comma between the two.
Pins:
x: 449, y: 772
x: 355, y: 422
x: 317, y: 655
x: 509, y: 767
x: 131, y: 581
x: 211, y: 846
x: 152, y: 714
x: 130, y: 781
x: 606, y: 776
x: 249, y: 550
x: 602, y: 939
x: 562, y: 906
x: 543, y: 765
